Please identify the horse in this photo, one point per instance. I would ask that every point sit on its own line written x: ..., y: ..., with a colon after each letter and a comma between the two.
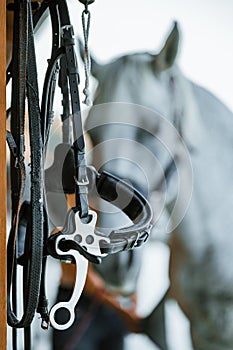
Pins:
x: 139, y: 96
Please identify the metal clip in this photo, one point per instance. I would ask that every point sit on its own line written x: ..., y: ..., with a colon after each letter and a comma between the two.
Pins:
x: 84, y: 235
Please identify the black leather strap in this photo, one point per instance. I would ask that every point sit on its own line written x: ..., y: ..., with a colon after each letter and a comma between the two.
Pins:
x: 79, y: 144
x: 23, y: 72
x: 137, y: 208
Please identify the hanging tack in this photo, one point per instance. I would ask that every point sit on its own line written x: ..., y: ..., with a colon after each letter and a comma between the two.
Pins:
x: 87, y: 60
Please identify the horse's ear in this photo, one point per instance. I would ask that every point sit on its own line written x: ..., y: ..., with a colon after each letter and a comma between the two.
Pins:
x: 166, y: 57
x: 95, y: 66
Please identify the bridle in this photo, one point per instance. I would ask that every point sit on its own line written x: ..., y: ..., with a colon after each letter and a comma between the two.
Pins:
x: 29, y: 243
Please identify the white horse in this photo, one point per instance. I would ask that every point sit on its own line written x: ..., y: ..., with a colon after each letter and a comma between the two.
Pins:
x: 127, y: 138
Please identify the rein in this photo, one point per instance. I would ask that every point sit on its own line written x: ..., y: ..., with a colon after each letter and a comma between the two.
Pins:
x: 29, y: 242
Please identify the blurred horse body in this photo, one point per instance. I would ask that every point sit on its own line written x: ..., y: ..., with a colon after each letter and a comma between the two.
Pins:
x: 201, y: 272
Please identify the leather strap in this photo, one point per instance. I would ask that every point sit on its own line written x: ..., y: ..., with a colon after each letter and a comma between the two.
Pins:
x: 137, y: 208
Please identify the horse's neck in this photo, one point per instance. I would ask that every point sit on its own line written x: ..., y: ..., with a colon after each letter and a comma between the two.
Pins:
x: 204, y: 117
x: 213, y: 183
x: 214, y: 152
x: 217, y: 118
x: 186, y: 105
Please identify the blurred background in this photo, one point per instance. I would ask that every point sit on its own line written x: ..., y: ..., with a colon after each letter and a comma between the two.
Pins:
x: 206, y: 27
x: 119, y: 27
x: 205, y: 56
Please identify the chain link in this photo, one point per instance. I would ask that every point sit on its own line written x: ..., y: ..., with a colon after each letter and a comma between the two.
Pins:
x: 86, y: 16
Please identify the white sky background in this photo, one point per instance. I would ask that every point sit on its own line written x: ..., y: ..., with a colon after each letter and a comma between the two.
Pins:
x: 206, y: 46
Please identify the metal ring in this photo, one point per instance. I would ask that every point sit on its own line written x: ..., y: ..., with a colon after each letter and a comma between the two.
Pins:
x: 58, y: 306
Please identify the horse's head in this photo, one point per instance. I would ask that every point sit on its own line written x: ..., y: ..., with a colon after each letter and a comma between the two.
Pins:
x: 130, y: 136
x: 138, y: 78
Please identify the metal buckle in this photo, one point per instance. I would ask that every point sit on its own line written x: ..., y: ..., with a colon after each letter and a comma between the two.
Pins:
x: 67, y: 28
x: 83, y: 182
